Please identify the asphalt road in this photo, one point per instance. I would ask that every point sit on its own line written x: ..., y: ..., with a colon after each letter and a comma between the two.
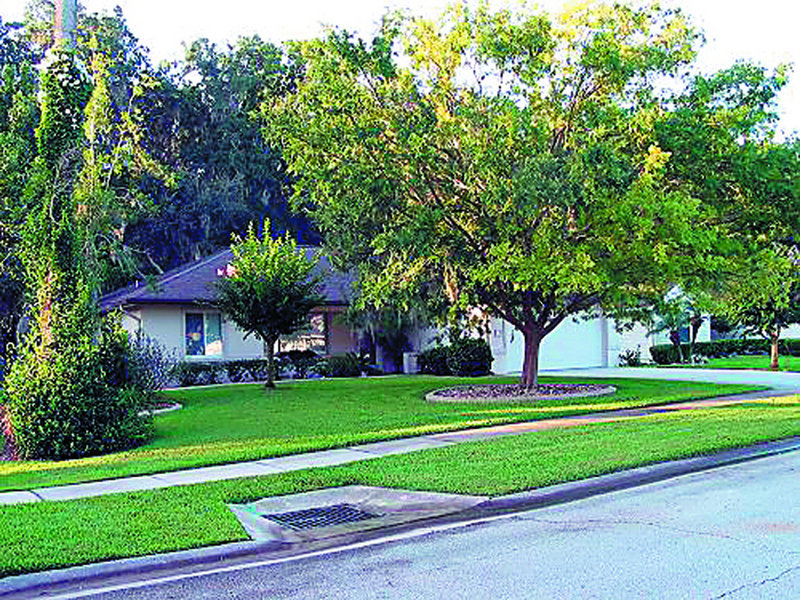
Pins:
x: 731, y: 533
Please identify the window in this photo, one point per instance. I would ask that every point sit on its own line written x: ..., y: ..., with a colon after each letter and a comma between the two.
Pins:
x: 203, y: 334
x: 311, y: 337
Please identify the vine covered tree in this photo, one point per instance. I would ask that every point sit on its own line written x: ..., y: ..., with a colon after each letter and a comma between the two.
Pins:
x: 509, y: 155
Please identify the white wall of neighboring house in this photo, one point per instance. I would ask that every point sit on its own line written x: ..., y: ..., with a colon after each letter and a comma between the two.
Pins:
x: 572, y: 345
x: 235, y: 346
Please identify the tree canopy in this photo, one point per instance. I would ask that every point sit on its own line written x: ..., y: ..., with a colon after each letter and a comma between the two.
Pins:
x: 268, y: 289
x: 513, y: 156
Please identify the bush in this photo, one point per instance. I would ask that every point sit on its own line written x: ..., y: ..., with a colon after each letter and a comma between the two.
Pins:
x: 464, y: 358
x: 190, y: 373
x: 302, y: 361
x: 665, y: 354
x: 254, y: 369
x: 151, y: 363
x: 79, y: 402
x: 343, y: 365
x: 434, y: 361
x: 631, y: 358
x: 470, y: 358
x: 199, y: 373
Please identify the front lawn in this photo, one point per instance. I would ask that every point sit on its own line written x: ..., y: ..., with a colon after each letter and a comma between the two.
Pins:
x: 759, y: 361
x: 42, y: 536
x: 234, y: 423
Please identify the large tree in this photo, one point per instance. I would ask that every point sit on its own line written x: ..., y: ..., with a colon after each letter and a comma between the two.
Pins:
x: 512, y: 155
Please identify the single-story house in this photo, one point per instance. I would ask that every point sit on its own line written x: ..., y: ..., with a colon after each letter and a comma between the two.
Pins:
x: 176, y: 311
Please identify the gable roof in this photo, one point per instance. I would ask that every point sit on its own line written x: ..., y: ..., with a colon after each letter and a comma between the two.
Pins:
x: 193, y: 283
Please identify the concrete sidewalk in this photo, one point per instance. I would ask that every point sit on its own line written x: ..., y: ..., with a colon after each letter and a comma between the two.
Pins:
x: 283, y: 464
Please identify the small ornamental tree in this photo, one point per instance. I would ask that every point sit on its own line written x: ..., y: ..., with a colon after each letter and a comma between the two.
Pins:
x: 269, y: 289
x: 763, y: 297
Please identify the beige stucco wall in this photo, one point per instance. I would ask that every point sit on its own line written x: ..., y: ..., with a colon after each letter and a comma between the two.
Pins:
x: 235, y: 346
x: 165, y: 323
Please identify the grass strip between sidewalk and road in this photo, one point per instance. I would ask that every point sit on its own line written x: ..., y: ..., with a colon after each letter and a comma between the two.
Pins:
x: 49, y: 535
x: 226, y: 424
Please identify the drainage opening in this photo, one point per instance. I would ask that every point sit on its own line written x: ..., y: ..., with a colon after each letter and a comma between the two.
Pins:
x: 323, y: 516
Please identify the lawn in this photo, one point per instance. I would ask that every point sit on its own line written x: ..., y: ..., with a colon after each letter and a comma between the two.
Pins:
x: 760, y: 362
x: 48, y: 535
x: 226, y: 424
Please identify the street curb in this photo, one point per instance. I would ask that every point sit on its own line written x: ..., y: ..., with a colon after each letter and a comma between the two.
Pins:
x: 142, y: 565
x: 214, y: 556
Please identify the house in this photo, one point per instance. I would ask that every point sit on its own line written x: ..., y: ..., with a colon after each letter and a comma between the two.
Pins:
x: 176, y: 311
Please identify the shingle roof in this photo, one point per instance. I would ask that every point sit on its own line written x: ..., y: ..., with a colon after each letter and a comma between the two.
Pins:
x: 192, y: 283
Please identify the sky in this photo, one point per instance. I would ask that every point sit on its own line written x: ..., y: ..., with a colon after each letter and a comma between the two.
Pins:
x: 764, y: 31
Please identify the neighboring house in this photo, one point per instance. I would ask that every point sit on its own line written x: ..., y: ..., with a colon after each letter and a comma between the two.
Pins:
x: 592, y: 342
x: 176, y: 311
x: 574, y: 344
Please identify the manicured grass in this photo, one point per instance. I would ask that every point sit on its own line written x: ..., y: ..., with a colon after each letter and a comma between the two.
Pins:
x: 760, y: 362
x: 226, y: 424
x: 49, y: 535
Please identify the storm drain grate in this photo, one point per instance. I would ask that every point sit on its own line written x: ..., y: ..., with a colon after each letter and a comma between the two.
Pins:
x: 323, y: 516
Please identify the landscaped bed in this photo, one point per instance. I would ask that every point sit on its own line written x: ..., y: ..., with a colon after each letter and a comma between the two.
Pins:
x: 224, y: 424
x: 57, y: 534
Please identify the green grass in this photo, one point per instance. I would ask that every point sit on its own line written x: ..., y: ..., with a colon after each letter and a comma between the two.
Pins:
x: 234, y: 423
x: 52, y: 535
x: 761, y: 362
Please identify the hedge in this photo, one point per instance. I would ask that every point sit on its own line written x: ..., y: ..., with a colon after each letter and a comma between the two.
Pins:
x: 464, y: 358
x: 665, y: 354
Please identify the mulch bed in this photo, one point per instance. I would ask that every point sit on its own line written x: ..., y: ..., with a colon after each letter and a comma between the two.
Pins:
x: 516, y: 392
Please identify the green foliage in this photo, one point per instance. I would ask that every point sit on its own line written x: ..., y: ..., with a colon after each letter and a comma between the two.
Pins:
x: 343, y: 365
x: 665, y: 354
x: 269, y: 288
x: 433, y: 361
x: 199, y: 373
x: 631, y: 358
x: 465, y: 357
x: 508, y: 155
x: 469, y: 358
x: 78, y: 403
x: 64, y: 93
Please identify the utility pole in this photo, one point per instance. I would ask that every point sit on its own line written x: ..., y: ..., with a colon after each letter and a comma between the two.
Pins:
x: 66, y: 22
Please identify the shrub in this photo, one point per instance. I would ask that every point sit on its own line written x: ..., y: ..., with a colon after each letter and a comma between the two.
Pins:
x: 254, y: 369
x: 303, y: 361
x: 664, y: 354
x: 198, y: 373
x: 469, y: 358
x: 631, y: 358
x: 151, y: 363
x: 343, y: 365
x: 79, y: 402
x: 464, y: 358
x: 434, y: 361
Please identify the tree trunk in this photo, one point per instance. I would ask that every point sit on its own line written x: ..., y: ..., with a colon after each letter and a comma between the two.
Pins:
x: 270, y: 348
x: 774, y: 338
x: 530, y: 366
